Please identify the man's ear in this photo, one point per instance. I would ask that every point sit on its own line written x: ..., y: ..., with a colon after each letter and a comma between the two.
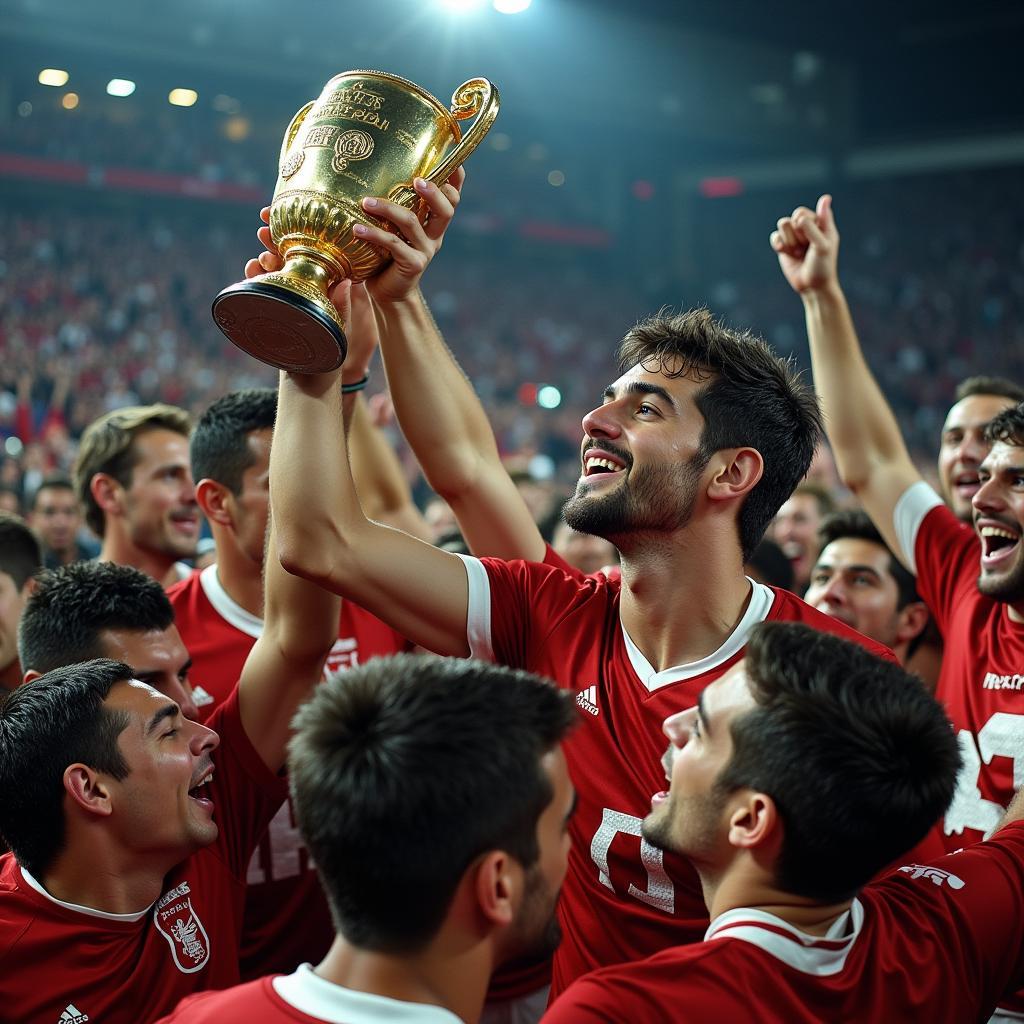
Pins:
x: 754, y: 823
x: 87, y: 789
x: 214, y: 499
x: 107, y: 493
x: 497, y: 885
x: 912, y: 621
x: 737, y: 473
x: 30, y: 674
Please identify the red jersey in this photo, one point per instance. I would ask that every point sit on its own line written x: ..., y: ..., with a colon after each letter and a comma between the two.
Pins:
x: 622, y: 898
x: 302, y: 998
x: 61, y: 962
x: 982, y: 677
x: 936, y: 943
x: 287, y: 921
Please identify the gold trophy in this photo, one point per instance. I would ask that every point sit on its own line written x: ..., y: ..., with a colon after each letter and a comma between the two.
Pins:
x: 368, y: 134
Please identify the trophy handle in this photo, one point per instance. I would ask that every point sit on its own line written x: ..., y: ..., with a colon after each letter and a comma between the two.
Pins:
x: 477, y: 96
x: 293, y: 130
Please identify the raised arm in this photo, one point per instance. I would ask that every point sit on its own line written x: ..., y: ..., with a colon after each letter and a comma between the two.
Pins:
x: 438, y: 410
x: 870, y: 453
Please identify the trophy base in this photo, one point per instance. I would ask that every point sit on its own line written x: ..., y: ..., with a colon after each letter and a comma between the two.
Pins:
x: 280, y: 327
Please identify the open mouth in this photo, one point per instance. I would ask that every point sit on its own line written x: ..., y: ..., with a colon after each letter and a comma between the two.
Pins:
x: 597, y: 462
x: 999, y: 545
x: 200, y: 792
x: 966, y: 485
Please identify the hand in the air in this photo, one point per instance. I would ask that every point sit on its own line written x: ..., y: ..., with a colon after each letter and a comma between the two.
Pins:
x: 807, y: 244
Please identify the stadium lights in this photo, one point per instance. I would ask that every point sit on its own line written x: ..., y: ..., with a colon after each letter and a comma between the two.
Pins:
x: 511, y: 6
x: 461, y: 6
x: 120, y: 87
x: 69, y: 100
x: 549, y: 397
x: 53, y: 76
x: 182, y: 97
x: 556, y: 178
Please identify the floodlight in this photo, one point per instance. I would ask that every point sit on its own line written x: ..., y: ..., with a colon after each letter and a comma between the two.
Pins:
x: 556, y: 178
x: 460, y: 6
x: 69, y: 100
x: 511, y: 6
x: 182, y: 97
x: 120, y: 87
x: 549, y: 397
x: 53, y: 76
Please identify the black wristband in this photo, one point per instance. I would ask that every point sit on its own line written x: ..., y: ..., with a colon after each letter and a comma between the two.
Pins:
x: 356, y: 385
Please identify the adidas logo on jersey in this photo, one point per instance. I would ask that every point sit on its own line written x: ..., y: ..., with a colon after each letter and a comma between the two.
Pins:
x: 587, y: 699
x: 72, y: 1015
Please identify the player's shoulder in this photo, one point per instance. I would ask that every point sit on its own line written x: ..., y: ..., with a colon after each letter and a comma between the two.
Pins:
x: 248, y: 1002
x: 180, y: 591
x: 787, y: 607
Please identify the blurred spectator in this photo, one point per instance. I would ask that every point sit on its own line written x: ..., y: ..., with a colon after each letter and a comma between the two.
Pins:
x: 56, y: 516
x: 768, y: 565
x: 20, y: 559
x: 582, y: 550
x: 796, y: 527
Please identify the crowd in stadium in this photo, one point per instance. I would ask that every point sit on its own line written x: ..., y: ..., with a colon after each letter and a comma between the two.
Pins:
x: 710, y: 698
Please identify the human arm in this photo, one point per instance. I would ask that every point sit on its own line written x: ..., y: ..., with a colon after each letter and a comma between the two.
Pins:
x: 439, y: 412
x: 869, y: 449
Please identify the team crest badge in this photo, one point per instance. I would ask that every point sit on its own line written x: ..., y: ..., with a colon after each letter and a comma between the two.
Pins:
x: 179, y: 924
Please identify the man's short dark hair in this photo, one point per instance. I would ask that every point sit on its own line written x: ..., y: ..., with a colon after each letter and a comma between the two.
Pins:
x: 71, y: 606
x: 751, y: 398
x: 406, y: 769
x: 53, y: 482
x: 984, y: 385
x: 1007, y: 426
x: 56, y: 720
x: 860, y: 760
x: 857, y: 524
x: 20, y: 553
x: 218, y: 446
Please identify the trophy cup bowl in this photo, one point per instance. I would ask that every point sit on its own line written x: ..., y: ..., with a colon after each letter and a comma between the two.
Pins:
x: 368, y: 134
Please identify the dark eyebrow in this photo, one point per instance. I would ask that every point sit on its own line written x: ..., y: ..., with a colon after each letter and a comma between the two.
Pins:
x: 167, y: 711
x: 643, y: 387
x: 702, y: 714
x: 870, y: 569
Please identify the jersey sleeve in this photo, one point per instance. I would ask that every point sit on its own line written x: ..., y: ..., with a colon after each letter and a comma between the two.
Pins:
x: 246, y: 794
x: 585, y: 1002
x: 514, y: 606
x: 940, y: 549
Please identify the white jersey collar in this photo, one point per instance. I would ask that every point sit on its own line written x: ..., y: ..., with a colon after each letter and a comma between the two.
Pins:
x: 760, y: 604
x: 310, y: 994
x: 818, y: 955
x: 78, y: 909
x: 225, y: 606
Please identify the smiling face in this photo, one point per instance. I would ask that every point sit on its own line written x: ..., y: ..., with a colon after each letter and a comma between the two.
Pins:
x: 963, y: 448
x: 691, y: 817
x: 162, y: 806
x: 159, y: 505
x: 999, y: 522
x: 641, y: 467
x: 796, y: 531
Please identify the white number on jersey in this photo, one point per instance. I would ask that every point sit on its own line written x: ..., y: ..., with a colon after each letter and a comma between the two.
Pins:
x: 286, y: 845
x: 660, y: 892
x: 1001, y: 736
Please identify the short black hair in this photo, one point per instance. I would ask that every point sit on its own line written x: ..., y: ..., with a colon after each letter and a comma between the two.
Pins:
x: 859, y: 758
x: 218, y: 447
x: 751, y: 398
x: 56, y: 720
x: 21, y: 555
x: 1007, y: 426
x: 404, y: 770
x: 856, y: 523
x: 56, y: 482
x: 71, y: 606
x: 986, y: 385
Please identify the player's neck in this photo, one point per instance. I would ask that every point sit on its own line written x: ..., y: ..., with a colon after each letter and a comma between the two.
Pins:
x: 241, y: 579
x: 458, y: 982
x: 105, y: 879
x: 120, y: 550
x: 683, y: 595
x: 806, y: 915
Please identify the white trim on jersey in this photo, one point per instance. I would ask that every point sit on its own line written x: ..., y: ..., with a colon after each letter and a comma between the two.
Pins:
x: 478, y: 611
x: 908, y: 515
x: 225, y: 606
x: 314, y: 996
x: 760, y: 604
x: 88, y: 911
x: 818, y: 955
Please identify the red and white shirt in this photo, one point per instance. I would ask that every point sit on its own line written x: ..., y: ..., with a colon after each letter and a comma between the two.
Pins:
x: 61, y: 962
x: 622, y: 899
x: 981, y: 682
x: 303, y: 998
x: 935, y: 943
x: 287, y: 921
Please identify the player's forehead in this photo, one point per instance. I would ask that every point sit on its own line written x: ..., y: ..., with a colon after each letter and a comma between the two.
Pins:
x: 729, y: 694
x: 667, y: 376
x: 846, y: 551
x: 1003, y: 456
x: 974, y: 411
x: 146, y: 649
